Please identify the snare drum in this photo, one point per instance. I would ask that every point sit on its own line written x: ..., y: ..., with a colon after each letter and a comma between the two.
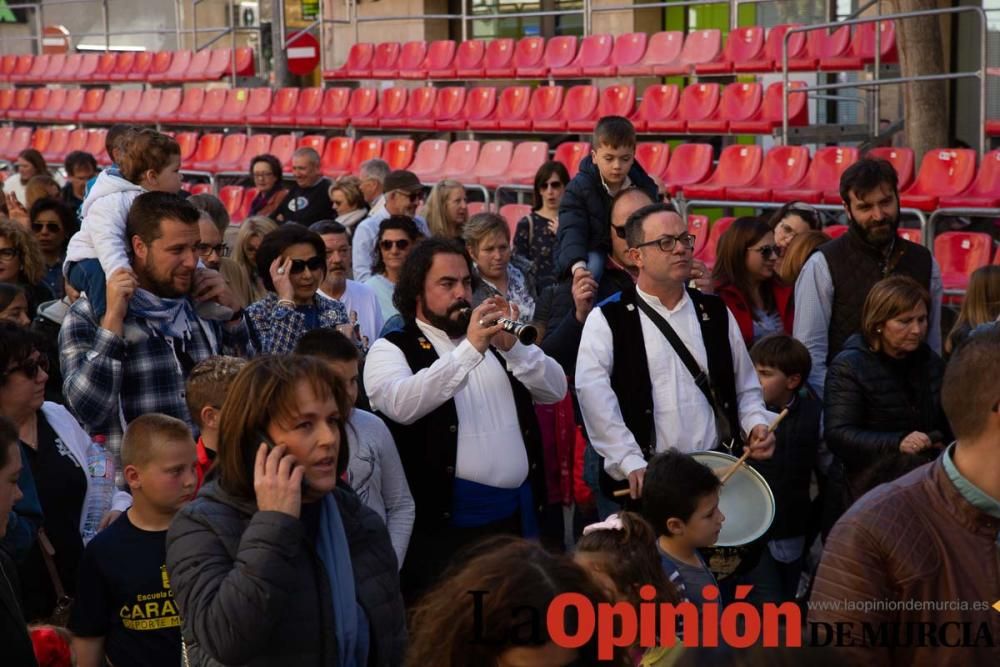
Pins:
x: 745, y: 500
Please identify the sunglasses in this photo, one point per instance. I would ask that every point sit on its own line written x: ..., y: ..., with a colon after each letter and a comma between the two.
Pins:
x: 314, y: 263
x: 51, y: 227
x: 768, y: 251
x: 205, y: 250
x: 401, y: 244
x: 552, y: 185
x: 667, y: 242
x: 30, y: 367
x: 412, y: 196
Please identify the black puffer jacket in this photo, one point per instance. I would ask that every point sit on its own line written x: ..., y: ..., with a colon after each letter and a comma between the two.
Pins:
x: 585, y: 214
x: 252, y: 590
x: 872, y: 402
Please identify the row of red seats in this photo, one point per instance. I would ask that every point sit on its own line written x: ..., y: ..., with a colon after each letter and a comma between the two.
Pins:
x: 53, y: 143
x: 703, y: 108
x: 669, y: 53
x: 137, y: 66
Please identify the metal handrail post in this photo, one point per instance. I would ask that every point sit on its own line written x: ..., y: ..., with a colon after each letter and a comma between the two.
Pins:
x: 465, y: 20
x: 876, y: 103
x: 232, y: 48
x: 106, y: 19
x: 322, y: 38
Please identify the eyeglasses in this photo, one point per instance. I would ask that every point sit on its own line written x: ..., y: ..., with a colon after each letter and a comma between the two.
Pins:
x: 767, y: 251
x: 619, y: 231
x: 401, y: 244
x: 205, y: 250
x: 263, y: 174
x: 314, y: 263
x: 51, y: 227
x: 8, y: 254
x: 30, y: 367
x: 552, y: 185
x: 412, y: 196
x: 667, y: 242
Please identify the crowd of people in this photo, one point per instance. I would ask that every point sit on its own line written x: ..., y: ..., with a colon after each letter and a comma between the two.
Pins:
x: 321, y: 437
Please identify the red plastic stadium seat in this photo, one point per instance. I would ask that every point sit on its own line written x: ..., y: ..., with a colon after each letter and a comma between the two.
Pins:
x: 513, y: 214
x: 188, y: 141
x: 282, y: 110
x: 701, y: 46
x: 447, y: 114
x: 501, y: 57
x: 332, y: 112
x: 742, y: 45
x: 306, y: 112
x: 559, y: 53
x: 7, y: 64
x: 108, y: 113
x: 40, y: 101
x: 129, y: 105
x: 6, y: 100
x: 769, y: 115
x: 902, y: 161
x: 6, y: 133
x: 22, y: 68
x: 391, y: 108
x: 38, y: 68
x: 524, y: 163
x: 718, y: 228
x: 911, y: 235
x: 365, y: 149
x: 593, y: 59
x: 770, y: 58
x: 66, y: 112
x: 784, y: 168
x: 698, y: 102
x: 821, y: 46
x: 357, y: 65
x: 198, y: 67
x: 570, y: 153
x: 862, y: 48
x: 984, y: 191
x: 944, y: 172
x: 458, y: 163
x: 231, y: 197
x: 93, y: 99
x: 77, y: 140
x: 469, y: 59
x: 385, y: 63
x: 362, y: 104
x: 54, y: 67
x: 419, y: 109
x: 959, y: 254
x: 739, y: 102
x: 835, y: 231
x: 494, y: 160
x: 160, y: 65
x: 211, y: 109
x: 221, y: 64
x: 177, y: 71
x: 336, y: 159
x: 123, y: 65
x: 439, y: 63
x: 96, y: 146
x: 738, y: 165
x: 475, y: 207
x: 616, y: 100
x: 249, y: 194
x: 20, y: 103
x: 412, y: 57
x: 398, y: 153
x: 257, y: 144
x: 70, y: 72
x: 234, y: 110
x: 659, y: 103
x: 654, y: 157
x: 579, y: 107
x: 56, y: 150
x: 429, y: 157
x: 513, y: 109
x: 823, y: 178
x: 697, y: 226
x: 170, y: 102
x: 56, y: 102
x: 314, y: 141
x: 282, y: 147
x: 628, y: 52
x: 40, y: 139
x: 191, y: 103
x: 545, y: 107
x: 197, y: 188
x: 258, y: 105
x: 141, y: 65
x: 230, y: 157
x: 208, y: 148
x: 20, y: 140
x: 480, y: 105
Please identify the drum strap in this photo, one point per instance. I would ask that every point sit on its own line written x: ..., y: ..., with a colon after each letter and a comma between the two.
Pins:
x: 701, y: 378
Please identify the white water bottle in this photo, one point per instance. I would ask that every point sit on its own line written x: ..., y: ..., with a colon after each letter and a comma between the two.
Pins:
x: 101, y: 480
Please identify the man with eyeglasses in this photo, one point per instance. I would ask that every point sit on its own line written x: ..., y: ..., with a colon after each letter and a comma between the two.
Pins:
x: 403, y: 194
x: 307, y: 201
x: 636, y: 392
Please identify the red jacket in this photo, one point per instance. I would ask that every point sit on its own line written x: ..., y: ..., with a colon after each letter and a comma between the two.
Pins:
x: 741, y: 310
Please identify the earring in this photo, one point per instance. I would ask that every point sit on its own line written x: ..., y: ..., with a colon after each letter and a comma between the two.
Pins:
x: 879, y: 330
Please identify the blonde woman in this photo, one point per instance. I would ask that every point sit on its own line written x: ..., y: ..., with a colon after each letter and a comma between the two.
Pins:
x: 248, y: 240
x: 21, y: 263
x: 447, y: 210
x: 348, y: 201
x: 487, y: 238
x: 981, y: 305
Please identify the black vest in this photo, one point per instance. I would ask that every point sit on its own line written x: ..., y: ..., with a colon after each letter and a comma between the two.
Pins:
x: 429, y: 446
x: 855, y: 267
x: 630, y: 378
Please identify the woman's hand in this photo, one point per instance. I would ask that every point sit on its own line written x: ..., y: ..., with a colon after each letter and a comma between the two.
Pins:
x: 17, y: 212
x: 914, y: 443
x: 277, y: 481
x: 280, y: 269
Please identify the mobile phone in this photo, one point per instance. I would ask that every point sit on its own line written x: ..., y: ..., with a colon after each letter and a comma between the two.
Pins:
x: 262, y: 436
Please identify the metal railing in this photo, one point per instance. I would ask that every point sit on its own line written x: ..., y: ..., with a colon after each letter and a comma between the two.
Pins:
x: 877, y: 81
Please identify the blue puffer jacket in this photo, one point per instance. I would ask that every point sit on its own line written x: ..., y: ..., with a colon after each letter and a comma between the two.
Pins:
x: 585, y: 213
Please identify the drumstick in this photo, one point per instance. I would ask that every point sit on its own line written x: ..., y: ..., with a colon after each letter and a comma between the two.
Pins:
x: 746, y: 454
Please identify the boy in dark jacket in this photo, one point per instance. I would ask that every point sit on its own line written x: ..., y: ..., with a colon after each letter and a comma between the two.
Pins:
x: 783, y: 364
x: 583, y: 239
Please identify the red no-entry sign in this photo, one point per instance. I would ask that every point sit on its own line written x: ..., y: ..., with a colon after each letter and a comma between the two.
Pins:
x: 303, y: 54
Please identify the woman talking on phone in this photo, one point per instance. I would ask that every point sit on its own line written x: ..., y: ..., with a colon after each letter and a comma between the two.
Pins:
x: 277, y: 562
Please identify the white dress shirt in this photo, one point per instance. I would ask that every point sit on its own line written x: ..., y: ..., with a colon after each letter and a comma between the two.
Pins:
x: 490, y: 447
x: 683, y: 418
